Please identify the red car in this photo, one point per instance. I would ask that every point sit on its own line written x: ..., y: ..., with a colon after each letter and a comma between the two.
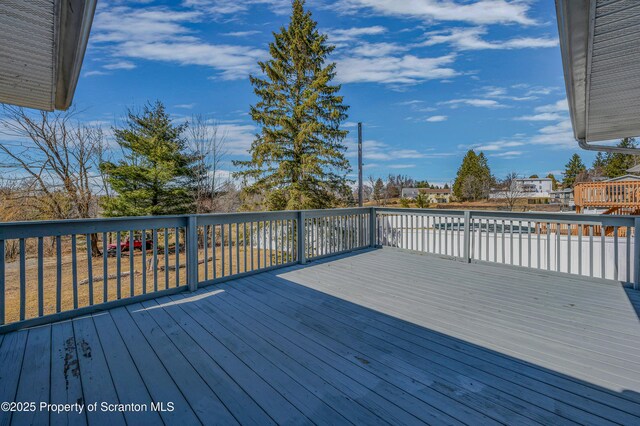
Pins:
x: 112, y: 249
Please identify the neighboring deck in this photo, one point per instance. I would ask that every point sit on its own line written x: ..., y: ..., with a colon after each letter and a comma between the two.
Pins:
x: 383, y: 336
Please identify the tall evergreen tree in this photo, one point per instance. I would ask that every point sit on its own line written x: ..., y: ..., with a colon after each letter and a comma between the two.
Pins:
x: 474, y: 177
x: 616, y: 164
x: 297, y: 159
x: 157, y: 174
x: 572, y: 169
x: 600, y: 162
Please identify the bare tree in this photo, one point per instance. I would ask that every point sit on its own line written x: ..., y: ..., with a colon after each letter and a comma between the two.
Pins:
x: 210, y: 147
x: 511, y: 190
x: 56, y: 158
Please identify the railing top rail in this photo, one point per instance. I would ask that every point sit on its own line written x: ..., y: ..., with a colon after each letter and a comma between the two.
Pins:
x: 611, y: 183
x: 421, y: 211
x: 50, y: 228
x: 611, y: 220
x: 335, y: 212
x: 11, y: 230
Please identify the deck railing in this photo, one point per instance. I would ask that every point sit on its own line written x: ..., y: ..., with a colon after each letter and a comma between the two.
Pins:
x: 622, y: 194
x: 55, y: 270
x: 597, y: 246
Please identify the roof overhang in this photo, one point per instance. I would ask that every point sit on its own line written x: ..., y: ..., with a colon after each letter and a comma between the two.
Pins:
x: 41, y: 50
x: 599, y: 42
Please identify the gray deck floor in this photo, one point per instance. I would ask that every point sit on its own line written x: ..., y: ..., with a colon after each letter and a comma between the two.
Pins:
x: 378, y: 337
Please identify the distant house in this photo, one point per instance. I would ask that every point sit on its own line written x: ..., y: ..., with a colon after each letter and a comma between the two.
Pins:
x: 625, y: 178
x: 526, y: 188
x: 562, y: 196
x: 438, y: 195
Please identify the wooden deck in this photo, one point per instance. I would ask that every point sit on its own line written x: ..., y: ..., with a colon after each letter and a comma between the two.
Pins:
x: 378, y: 337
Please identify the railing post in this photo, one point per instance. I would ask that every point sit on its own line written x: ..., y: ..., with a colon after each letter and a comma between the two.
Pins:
x: 467, y: 237
x: 373, y: 229
x: 192, y: 253
x: 636, y: 254
x: 302, y: 255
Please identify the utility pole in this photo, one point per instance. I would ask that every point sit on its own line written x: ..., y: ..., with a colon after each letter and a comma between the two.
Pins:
x: 360, y: 194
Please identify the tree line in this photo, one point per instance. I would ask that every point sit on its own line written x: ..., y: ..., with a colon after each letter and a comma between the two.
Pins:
x: 605, y: 165
x: 59, y: 168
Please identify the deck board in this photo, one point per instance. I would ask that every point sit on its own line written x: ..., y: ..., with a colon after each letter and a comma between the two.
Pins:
x: 34, y: 379
x: 207, y: 328
x: 375, y: 337
x: 202, y: 399
x: 66, y: 387
x: 12, y: 352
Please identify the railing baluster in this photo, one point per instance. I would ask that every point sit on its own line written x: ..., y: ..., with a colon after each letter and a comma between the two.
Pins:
x: 40, y: 276
x: 580, y: 232
x: 270, y: 244
x: 23, y: 279
x: 264, y: 239
x: 205, y: 241
x: 154, y: 237
x: 177, y: 238
x: 74, y: 271
x: 230, y: 238
x: 105, y: 268
x: 251, y: 243
x: 58, y: 273
x: 214, y: 249
x: 90, y: 269
x: 615, y: 253
x: 244, y: 244
x: 118, y: 266
x: 132, y: 249
x: 144, y: 261
x: 591, y: 251
x: 222, y: 250
x: 548, y: 224
x: 602, y: 251
x: 166, y: 258
x: 2, y: 281
x: 629, y: 259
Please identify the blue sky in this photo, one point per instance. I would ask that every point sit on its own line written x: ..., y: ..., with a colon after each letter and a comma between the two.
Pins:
x: 428, y: 78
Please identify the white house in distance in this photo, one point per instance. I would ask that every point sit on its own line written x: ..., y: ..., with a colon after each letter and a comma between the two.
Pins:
x: 526, y: 188
x: 437, y: 195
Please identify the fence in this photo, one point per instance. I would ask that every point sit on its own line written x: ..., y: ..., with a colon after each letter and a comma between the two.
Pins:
x: 55, y: 270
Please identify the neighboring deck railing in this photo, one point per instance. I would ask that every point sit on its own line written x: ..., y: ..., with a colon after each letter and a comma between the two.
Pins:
x: 622, y: 194
x: 55, y: 270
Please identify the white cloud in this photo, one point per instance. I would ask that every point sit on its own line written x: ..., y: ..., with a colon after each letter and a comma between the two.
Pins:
x: 479, y: 103
x: 477, y: 12
x: 241, y: 33
x: 471, y: 39
x: 497, y: 145
x: 377, y: 49
x: 401, y: 166
x: 559, y: 135
x: 373, y: 150
x: 544, y: 116
x: 161, y: 34
x: 234, y: 7
x: 407, y: 69
x: 120, y: 65
x: 560, y: 106
x: 502, y: 93
x: 436, y: 118
x: 508, y: 154
x: 349, y: 34
x: 184, y: 106
x: 95, y: 72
